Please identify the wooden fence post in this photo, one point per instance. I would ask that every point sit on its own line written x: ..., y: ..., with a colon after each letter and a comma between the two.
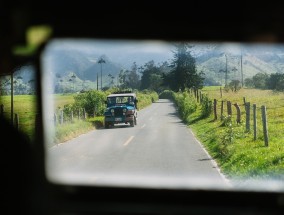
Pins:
x: 222, y: 110
x: 215, y: 109
x: 264, y: 123
x: 221, y: 92
x: 84, y: 114
x: 254, y: 122
x: 229, y: 108
x: 16, y: 121
x: 247, y: 108
x: 244, y: 99
x: 238, y: 113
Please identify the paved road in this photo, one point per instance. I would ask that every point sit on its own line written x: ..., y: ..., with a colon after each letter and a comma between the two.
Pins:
x: 160, y: 151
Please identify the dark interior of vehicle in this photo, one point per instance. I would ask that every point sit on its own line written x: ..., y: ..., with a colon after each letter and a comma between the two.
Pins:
x: 26, y: 189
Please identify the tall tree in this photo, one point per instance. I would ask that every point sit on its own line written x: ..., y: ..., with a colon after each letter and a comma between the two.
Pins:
x: 101, y: 61
x: 129, y: 78
x: 152, y: 75
x: 149, y: 69
x: 183, y: 70
x: 133, y: 77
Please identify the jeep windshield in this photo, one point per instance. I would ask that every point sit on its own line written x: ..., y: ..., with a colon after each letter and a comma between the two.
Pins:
x: 120, y: 100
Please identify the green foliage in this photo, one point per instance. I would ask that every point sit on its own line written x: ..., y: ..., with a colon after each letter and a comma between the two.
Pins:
x: 186, y: 104
x: 146, y: 97
x: 152, y: 76
x: 97, y: 121
x: 260, y: 80
x: 227, y: 136
x: 235, y: 85
x: 129, y: 78
x: 167, y: 94
x: 206, y: 106
x: 68, y: 110
x: 249, y: 83
x: 276, y: 82
x: 184, y: 73
x: 92, y: 101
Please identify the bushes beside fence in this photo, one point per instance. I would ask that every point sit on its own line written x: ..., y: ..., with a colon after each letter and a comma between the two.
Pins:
x: 187, y: 101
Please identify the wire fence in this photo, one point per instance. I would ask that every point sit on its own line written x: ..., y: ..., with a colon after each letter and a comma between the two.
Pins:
x: 240, y: 112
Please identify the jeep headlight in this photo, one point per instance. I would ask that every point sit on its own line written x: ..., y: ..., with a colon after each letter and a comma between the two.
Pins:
x: 130, y: 112
x: 112, y: 110
x: 124, y: 110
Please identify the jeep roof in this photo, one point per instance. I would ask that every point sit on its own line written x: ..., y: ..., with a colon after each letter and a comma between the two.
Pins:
x: 122, y: 94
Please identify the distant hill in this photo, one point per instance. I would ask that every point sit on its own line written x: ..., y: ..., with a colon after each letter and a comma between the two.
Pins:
x: 210, y: 58
x: 255, y: 59
x: 107, y: 68
x: 66, y: 61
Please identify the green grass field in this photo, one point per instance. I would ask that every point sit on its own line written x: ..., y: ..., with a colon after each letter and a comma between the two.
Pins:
x: 234, y: 149
x: 25, y: 108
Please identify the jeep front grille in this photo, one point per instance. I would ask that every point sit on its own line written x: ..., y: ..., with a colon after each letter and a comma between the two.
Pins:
x: 118, y: 112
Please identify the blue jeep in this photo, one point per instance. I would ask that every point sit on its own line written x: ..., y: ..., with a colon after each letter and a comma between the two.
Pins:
x: 121, y: 109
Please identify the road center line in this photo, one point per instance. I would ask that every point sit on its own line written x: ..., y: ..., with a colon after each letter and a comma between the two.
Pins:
x: 128, y: 141
x: 143, y: 125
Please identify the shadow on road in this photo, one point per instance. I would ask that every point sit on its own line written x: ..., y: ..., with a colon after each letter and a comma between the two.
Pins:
x: 205, y: 159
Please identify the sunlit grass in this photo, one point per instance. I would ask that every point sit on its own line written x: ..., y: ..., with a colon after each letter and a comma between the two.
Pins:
x: 245, y: 157
x: 68, y: 131
x: 25, y: 108
x: 63, y: 99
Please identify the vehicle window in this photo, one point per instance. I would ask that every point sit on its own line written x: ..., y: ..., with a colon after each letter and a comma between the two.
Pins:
x: 209, y: 116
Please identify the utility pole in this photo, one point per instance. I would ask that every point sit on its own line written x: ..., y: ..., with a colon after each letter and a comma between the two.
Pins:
x: 226, y: 69
x: 101, y: 61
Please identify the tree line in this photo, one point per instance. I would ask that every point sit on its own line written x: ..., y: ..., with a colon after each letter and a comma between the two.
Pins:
x: 274, y: 81
x: 177, y: 75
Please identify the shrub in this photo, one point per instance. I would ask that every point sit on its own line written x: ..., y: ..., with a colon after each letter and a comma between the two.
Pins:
x: 92, y: 101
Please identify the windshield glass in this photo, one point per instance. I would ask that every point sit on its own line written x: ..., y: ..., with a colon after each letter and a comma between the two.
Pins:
x: 209, y: 116
x: 119, y: 100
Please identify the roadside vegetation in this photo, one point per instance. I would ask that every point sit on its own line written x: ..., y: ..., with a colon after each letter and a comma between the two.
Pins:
x: 238, y: 155
x: 92, y: 101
